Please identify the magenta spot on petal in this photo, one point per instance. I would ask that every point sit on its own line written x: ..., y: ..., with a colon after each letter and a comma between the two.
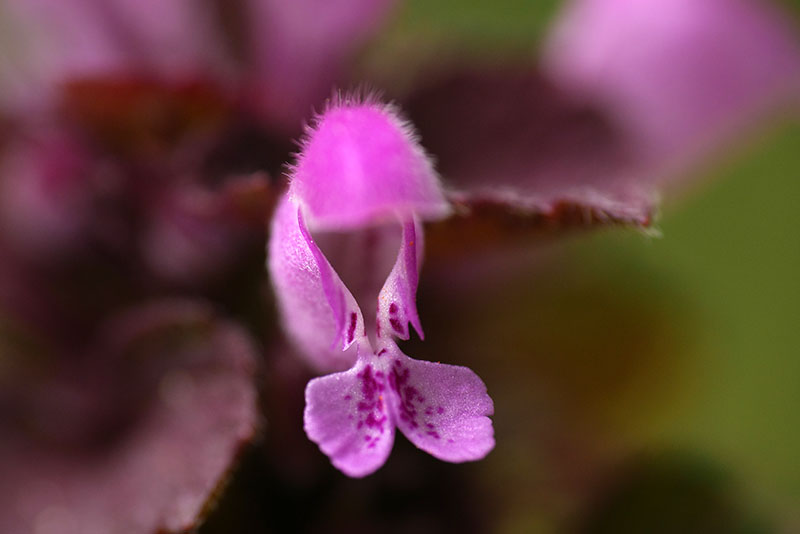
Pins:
x: 351, y: 330
x: 372, y: 383
x: 370, y: 420
x: 397, y: 326
x: 398, y: 380
x: 428, y: 411
x: 434, y: 434
x: 348, y: 397
x: 382, y: 352
x: 440, y: 410
x: 393, y: 308
x: 369, y: 386
x: 360, y: 424
x: 451, y: 441
x: 399, y: 376
x: 430, y: 426
x: 366, y: 438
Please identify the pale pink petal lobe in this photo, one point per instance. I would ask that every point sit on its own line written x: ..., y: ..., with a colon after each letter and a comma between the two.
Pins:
x: 442, y: 409
x: 347, y: 415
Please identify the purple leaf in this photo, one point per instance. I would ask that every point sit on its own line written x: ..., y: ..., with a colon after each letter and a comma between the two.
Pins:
x: 196, y: 405
x: 509, y: 138
x: 195, y: 234
x: 46, y: 194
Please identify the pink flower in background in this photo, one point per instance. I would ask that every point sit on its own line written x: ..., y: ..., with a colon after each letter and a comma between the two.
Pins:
x: 681, y: 76
x: 360, y: 170
x: 628, y: 97
x: 274, y: 58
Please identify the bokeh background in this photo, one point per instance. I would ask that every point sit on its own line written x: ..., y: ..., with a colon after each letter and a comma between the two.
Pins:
x: 644, y: 381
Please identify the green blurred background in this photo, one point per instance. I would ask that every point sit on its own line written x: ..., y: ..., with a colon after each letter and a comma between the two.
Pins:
x: 723, y: 277
x: 731, y: 249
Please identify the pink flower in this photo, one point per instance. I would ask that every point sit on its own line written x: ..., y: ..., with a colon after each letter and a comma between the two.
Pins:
x: 361, y: 172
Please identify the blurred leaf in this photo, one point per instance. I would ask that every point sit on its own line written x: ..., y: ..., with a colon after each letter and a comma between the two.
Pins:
x: 519, y: 157
x: 668, y: 493
x: 157, y: 468
x: 131, y: 116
